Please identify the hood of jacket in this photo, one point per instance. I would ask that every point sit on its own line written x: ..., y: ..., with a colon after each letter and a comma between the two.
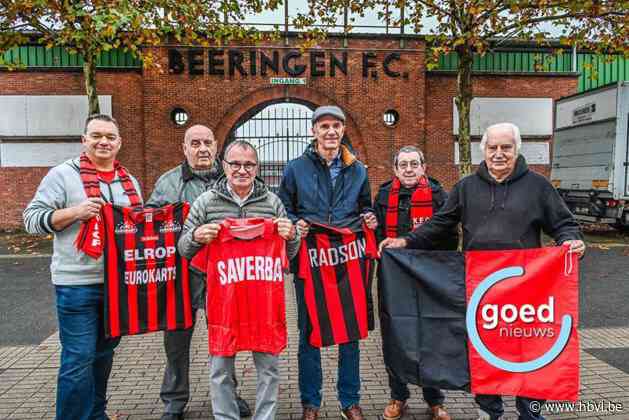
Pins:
x: 521, y: 168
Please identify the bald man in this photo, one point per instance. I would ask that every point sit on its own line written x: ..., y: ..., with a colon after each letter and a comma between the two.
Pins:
x: 196, y: 174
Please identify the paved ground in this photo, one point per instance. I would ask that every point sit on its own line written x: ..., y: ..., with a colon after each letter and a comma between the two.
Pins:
x: 29, y: 355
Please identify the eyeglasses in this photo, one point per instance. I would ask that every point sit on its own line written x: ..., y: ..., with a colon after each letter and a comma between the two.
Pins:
x: 100, y: 136
x: 235, y: 166
x: 414, y: 164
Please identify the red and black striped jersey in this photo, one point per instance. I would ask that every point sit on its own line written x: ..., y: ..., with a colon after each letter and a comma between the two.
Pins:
x: 245, y: 307
x: 146, y: 280
x: 334, y: 264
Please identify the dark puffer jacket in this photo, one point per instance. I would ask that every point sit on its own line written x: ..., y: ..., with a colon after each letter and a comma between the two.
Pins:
x: 507, y: 215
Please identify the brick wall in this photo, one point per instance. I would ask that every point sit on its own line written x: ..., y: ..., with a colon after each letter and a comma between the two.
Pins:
x: 152, y: 143
x: 219, y: 102
x: 441, y: 88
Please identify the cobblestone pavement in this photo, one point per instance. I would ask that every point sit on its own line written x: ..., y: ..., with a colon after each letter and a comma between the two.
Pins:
x: 28, y: 374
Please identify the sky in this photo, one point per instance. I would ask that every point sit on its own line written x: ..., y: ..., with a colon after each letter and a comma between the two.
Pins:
x: 361, y: 24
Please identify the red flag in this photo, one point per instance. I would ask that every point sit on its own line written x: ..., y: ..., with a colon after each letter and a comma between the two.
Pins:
x: 522, y: 319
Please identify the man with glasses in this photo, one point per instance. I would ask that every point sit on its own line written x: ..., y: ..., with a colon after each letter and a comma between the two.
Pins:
x: 69, y: 196
x: 401, y: 204
x: 238, y: 195
x: 329, y: 185
x: 186, y: 182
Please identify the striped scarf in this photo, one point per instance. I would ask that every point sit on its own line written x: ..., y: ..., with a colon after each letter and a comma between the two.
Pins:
x: 89, y: 238
x: 421, y: 206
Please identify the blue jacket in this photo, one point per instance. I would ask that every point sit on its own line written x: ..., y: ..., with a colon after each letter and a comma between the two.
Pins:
x: 307, y: 193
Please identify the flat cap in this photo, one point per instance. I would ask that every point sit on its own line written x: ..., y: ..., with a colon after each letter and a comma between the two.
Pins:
x: 328, y: 110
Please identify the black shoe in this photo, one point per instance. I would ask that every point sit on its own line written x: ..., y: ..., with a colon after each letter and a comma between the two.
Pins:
x: 172, y: 416
x: 243, y: 407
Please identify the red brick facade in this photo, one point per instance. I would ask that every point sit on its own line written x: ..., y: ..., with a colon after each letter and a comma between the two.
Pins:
x: 151, y: 141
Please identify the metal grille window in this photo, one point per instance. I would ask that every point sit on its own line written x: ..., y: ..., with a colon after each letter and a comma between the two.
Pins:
x: 280, y: 133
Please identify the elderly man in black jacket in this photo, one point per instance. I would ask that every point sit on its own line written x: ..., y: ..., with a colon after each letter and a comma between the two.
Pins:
x: 409, y: 167
x: 504, y: 205
x: 402, y: 204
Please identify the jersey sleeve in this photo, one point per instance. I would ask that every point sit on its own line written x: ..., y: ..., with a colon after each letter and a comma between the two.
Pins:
x: 91, y: 237
x: 371, y: 245
x: 200, y: 260
x: 303, y: 262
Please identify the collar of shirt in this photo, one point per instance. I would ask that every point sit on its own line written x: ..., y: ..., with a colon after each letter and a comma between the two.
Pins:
x: 336, y: 162
x: 236, y: 197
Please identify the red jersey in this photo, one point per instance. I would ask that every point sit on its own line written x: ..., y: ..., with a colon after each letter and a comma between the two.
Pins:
x: 245, y: 306
x: 146, y: 280
x: 334, y: 263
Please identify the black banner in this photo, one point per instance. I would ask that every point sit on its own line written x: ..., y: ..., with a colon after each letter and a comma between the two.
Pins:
x: 422, y: 317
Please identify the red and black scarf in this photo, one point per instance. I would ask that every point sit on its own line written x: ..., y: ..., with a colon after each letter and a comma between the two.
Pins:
x: 89, y: 238
x: 421, y: 206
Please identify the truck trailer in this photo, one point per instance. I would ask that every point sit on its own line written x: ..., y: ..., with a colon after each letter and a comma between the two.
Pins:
x: 590, y: 164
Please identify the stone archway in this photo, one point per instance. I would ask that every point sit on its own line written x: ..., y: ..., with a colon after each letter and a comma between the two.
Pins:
x: 258, y: 99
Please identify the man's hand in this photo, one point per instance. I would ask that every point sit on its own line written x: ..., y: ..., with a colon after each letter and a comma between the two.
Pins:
x: 370, y: 220
x: 576, y: 245
x: 88, y: 208
x: 285, y: 228
x: 392, y: 243
x: 205, y: 234
x: 302, y: 227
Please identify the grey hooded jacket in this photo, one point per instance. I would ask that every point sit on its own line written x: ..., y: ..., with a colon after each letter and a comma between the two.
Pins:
x: 62, y: 188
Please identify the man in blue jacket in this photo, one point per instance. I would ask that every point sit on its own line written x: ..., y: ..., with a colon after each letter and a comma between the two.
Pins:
x: 327, y: 184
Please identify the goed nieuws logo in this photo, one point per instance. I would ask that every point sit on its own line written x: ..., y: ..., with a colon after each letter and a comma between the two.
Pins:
x: 509, y: 313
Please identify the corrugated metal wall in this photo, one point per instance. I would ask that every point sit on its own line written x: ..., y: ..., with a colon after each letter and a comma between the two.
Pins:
x: 605, y: 69
x: 513, y: 62
x: 39, y: 56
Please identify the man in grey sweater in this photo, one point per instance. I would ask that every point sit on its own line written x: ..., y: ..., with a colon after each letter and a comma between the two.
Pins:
x: 238, y: 195
x: 186, y: 182
x: 59, y: 206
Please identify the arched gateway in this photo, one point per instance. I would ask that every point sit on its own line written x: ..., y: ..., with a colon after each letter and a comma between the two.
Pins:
x: 280, y: 127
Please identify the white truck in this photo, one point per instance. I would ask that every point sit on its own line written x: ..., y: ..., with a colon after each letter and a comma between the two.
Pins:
x: 590, y: 165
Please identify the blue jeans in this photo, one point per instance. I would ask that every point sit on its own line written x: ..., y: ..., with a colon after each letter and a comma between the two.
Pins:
x: 399, y: 391
x: 492, y: 405
x: 309, y: 362
x: 86, y: 355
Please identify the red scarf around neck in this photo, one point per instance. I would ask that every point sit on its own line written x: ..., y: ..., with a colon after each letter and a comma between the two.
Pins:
x: 89, y: 238
x: 421, y: 206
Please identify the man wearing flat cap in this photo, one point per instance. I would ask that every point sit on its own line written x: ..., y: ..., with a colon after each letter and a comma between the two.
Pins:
x: 329, y: 185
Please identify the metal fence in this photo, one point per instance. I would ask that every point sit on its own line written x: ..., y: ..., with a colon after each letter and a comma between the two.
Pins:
x: 279, y: 133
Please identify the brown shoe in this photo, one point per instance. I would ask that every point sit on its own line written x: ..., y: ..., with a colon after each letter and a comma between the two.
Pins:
x: 310, y: 413
x: 353, y: 412
x: 439, y: 413
x: 394, y: 410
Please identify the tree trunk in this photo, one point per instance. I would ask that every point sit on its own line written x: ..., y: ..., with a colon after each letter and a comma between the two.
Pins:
x: 89, y: 72
x: 463, y: 102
